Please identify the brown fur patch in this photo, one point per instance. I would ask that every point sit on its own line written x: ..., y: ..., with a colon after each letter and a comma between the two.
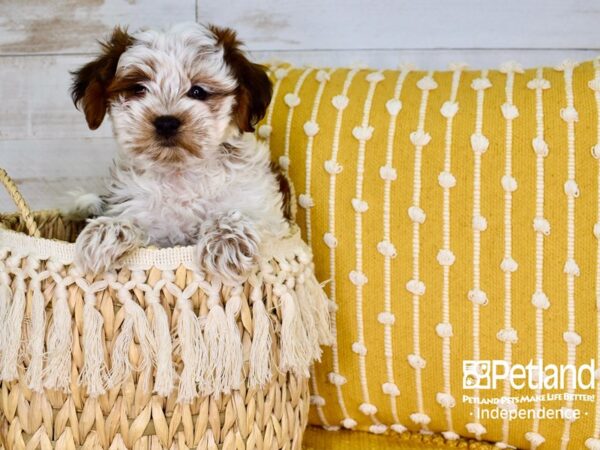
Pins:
x: 254, y: 90
x: 285, y: 188
x: 91, y: 82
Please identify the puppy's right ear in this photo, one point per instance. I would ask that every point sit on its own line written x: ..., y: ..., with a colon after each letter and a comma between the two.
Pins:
x: 90, y: 83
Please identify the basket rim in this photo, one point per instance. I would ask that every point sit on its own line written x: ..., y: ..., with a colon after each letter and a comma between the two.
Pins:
x: 144, y: 258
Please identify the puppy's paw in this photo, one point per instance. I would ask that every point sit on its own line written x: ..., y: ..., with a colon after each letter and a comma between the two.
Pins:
x: 83, y: 205
x: 103, y: 242
x: 228, y: 246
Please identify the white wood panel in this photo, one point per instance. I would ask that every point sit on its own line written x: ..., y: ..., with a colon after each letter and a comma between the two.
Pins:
x: 35, y: 100
x: 73, y: 26
x: 408, y: 24
x: 46, y: 170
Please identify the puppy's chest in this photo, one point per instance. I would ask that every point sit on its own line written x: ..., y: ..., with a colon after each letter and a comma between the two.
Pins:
x: 170, y: 215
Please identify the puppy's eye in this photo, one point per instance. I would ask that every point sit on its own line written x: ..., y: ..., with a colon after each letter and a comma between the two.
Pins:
x: 198, y: 93
x: 138, y: 90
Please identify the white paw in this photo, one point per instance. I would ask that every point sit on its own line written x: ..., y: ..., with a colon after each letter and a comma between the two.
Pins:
x: 103, y: 242
x: 84, y: 205
x: 228, y: 246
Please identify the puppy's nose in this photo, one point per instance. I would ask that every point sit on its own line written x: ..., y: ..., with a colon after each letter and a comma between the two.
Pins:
x: 167, y: 126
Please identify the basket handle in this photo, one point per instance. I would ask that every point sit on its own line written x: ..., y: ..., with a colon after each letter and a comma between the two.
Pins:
x: 14, y: 193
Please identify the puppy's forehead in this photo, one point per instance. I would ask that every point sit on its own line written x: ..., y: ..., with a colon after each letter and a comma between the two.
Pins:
x: 190, y: 49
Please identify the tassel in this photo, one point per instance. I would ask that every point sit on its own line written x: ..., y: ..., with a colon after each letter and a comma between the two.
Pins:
x: 93, y: 374
x: 260, y: 350
x: 57, y: 373
x: 193, y: 353
x: 135, y: 320
x: 316, y: 298
x: 165, y: 373
x: 296, y: 354
x: 5, y: 298
x: 36, y: 341
x: 13, y: 331
x: 223, y: 343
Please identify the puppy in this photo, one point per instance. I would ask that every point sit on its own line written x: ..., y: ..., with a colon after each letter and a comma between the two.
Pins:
x: 183, y: 104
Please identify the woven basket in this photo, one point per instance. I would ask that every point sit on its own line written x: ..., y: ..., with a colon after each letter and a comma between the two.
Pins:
x: 156, y: 354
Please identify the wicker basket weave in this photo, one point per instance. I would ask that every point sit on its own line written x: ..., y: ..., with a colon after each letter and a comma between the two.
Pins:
x: 155, y: 355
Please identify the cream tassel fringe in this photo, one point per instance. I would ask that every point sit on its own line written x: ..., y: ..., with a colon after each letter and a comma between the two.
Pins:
x: 36, y: 338
x: 93, y: 374
x: 225, y: 355
x: 165, y: 372
x: 135, y: 320
x: 260, y: 350
x: 319, y: 304
x: 296, y: 352
x: 13, y: 330
x: 57, y: 373
x: 5, y: 300
x: 193, y: 352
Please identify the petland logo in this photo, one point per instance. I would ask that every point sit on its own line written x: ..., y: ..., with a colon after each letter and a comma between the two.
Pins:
x: 486, y: 374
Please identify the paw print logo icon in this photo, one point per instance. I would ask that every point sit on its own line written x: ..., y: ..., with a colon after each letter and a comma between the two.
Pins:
x: 476, y: 374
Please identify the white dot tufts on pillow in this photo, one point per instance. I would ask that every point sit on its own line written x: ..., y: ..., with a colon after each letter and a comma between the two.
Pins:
x: 444, y: 330
x: 332, y: 167
x: 594, y: 84
x: 445, y: 257
x: 571, y: 188
x: 340, y: 102
x: 415, y: 287
x: 446, y: 180
x: 358, y: 278
x: 416, y: 361
x: 330, y: 240
x: 535, y: 438
x: 571, y: 268
x: 509, y: 111
x: 419, y: 138
x: 476, y: 428
x: 336, y: 379
x: 360, y: 206
x: 592, y: 443
x: 388, y: 173
x: 291, y: 99
x: 264, y: 131
x: 359, y: 349
x: 317, y: 400
x: 445, y: 400
x: 390, y: 389
x: 311, y: 128
x: 568, y: 414
x: 507, y: 335
x: 508, y: 265
x: 540, y: 300
x: 427, y: 83
x: 393, y: 106
x: 416, y: 214
x: 449, y: 109
x: 540, y: 147
x: 541, y: 225
x: 398, y: 428
x: 538, y: 83
x: 479, y: 223
x: 378, y: 428
x: 367, y: 409
x: 386, y: 318
x: 569, y: 114
x: 450, y: 435
x: 284, y: 162
x: 322, y: 75
x: 571, y: 337
x: 509, y: 184
x: 386, y: 248
x: 375, y: 77
x: 420, y: 418
x: 480, y: 84
x: 478, y: 297
x: 363, y: 133
x: 479, y: 143
x: 349, y: 423
x: 596, y: 151
x: 306, y: 201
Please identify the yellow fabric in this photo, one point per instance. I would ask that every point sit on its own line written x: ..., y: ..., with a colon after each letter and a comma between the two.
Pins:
x: 285, y: 129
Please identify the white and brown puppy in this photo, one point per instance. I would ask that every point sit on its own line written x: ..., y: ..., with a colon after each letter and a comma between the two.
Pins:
x: 183, y: 103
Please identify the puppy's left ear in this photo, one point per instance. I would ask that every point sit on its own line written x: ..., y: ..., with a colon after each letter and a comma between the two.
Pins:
x: 90, y: 83
x: 254, y: 90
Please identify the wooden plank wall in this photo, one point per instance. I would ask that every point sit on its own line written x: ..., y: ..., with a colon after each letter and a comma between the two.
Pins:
x: 46, y: 146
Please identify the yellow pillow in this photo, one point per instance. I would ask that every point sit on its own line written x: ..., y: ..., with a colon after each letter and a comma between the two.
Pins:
x: 455, y: 214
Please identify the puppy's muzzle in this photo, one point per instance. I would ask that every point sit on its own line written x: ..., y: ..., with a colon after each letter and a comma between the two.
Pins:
x: 167, y: 126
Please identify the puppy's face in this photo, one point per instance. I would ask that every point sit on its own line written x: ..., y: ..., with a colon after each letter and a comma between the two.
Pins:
x: 174, y: 95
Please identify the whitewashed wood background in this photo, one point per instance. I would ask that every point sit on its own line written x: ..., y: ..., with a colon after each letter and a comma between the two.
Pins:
x: 46, y: 147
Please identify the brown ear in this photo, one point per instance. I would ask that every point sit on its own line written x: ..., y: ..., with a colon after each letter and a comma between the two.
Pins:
x: 254, y: 90
x: 90, y: 83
